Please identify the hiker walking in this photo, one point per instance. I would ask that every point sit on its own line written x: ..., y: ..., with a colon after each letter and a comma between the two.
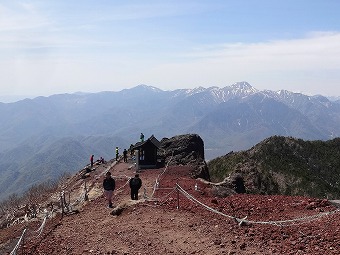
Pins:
x: 135, y: 185
x: 117, y: 153
x: 125, y: 155
x: 141, y: 137
x: 91, y: 160
x: 109, y: 185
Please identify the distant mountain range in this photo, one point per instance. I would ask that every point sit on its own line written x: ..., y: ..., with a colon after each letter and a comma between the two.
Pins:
x: 43, y: 137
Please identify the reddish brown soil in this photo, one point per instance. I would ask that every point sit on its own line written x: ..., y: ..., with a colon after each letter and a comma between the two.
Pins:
x: 157, y: 226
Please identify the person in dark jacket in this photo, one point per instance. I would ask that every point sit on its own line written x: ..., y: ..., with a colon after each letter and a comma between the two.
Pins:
x: 91, y: 160
x: 109, y: 185
x: 135, y: 185
x: 125, y: 155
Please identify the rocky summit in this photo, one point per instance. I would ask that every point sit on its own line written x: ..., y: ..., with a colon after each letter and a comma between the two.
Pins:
x: 175, y: 213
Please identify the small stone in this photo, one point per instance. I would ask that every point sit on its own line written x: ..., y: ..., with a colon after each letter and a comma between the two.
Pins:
x: 217, y: 241
x: 243, y: 246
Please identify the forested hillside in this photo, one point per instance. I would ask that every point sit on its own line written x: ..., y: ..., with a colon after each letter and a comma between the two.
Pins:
x: 285, y: 165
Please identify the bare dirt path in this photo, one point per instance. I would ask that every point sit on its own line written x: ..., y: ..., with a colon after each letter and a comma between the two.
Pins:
x: 156, y: 226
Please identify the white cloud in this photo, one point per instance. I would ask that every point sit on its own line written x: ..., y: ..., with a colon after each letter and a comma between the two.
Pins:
x: 20, y: 17
x: 307, y: 62
x: 69, y: 47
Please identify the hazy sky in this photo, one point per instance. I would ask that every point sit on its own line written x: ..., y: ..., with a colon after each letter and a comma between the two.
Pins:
x: 64, y: 46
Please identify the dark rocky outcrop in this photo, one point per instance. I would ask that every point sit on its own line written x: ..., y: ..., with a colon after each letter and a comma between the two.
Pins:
x: 185, y: 150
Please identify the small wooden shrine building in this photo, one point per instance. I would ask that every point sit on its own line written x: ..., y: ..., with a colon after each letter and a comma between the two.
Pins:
x: 146, y: 153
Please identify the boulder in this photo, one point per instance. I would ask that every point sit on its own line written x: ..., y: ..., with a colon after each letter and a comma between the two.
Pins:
x: 185, y: 150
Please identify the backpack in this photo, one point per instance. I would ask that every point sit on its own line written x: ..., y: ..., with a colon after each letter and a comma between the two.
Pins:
x: 135, y: 183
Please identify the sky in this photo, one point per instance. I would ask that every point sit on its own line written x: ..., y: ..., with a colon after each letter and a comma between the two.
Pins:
x: 67, y: 46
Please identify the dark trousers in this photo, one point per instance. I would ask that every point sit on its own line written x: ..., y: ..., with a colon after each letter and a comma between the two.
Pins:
x: 134, y: 194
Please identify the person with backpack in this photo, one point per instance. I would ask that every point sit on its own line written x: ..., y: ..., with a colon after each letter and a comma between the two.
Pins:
x: 109, y: 185
x: 135, y: 185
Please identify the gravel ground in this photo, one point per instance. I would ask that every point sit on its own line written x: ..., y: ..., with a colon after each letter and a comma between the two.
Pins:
x: 165, y: 221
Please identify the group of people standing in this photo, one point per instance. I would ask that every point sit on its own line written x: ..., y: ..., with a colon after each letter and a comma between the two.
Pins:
x: 124, y: 154
x: 109, y: 186
x: 109, y: 183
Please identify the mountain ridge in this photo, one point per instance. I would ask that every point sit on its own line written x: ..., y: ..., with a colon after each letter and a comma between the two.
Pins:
x: 284, y: 165
x: 231, y: 118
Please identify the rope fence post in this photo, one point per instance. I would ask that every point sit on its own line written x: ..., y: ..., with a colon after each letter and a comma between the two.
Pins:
x: 144, y: 195
x: 62, y: 204
x: 86, y: 197
x: 177, y: 196
x: 64, y: 201
x: 69, y: 208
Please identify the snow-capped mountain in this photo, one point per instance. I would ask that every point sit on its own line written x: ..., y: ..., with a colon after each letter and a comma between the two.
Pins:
x: 39, y: 132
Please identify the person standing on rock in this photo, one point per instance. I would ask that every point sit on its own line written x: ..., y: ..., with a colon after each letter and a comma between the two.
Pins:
x: 125, y: 155
x: 91, y: 160
x: 117, y: 153
x: 109, y: 185
x: 135, y: 185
